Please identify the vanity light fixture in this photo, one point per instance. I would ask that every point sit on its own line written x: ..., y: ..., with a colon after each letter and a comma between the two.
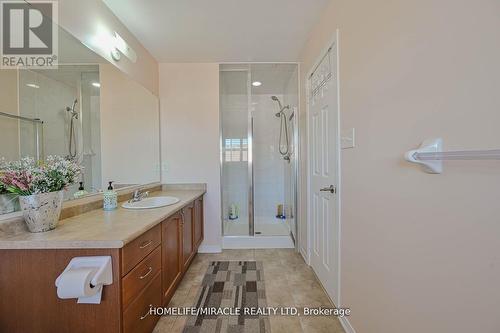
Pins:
x: 111, y: 43
x: 124, y: 48
x: 120, y: 47
x: 96, y: 84
x: 256, y: 83
x: 32, y: 85
x: 115, y: 54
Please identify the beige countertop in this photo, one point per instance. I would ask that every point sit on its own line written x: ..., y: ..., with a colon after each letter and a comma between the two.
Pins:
x: 100, y: 229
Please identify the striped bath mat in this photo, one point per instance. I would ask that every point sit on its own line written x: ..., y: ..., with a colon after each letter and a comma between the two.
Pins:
x: 229, y: 298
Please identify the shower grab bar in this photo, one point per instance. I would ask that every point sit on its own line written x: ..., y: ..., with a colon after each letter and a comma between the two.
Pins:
x: 430, y: 155
x: 13, y: 116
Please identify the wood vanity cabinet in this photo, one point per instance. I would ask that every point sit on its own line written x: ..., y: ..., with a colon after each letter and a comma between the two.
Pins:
x: 171, y: 233
x: 139, y: 248
x: 177, y: 240
x: 142, y: 280
x: 182, y: 234
x: 146, y: 272
x: 198, y: 222
x: 187, y: 234
x: 136, y: 317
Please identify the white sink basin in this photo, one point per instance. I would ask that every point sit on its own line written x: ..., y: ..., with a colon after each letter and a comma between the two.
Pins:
x: 153, y: 202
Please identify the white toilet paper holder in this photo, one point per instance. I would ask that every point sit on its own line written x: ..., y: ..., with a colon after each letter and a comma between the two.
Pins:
x: 103, y: 276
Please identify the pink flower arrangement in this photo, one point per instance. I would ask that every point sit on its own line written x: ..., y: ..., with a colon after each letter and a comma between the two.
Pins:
x: 27, y: 177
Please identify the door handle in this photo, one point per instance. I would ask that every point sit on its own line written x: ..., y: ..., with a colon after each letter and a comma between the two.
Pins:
x: 331, y: 189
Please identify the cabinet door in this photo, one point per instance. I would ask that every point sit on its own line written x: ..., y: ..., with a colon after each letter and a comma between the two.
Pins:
x: 198, y: 222
x: 187, y: 234
x: 136, y: 318
x: 171, y: 255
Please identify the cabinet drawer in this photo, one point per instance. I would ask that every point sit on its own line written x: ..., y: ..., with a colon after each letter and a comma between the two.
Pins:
x: 136, y: 318
x: 139, y: 248
x: 140, y: 276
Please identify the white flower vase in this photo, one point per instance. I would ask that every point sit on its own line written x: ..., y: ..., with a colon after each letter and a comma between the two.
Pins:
x: 8, y: 203
x: 41, y: 211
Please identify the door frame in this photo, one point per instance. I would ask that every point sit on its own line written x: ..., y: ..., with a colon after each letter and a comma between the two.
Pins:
x: 332, y: 41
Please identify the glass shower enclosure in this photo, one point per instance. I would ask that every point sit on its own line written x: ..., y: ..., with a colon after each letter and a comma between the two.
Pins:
x: 259, y: 136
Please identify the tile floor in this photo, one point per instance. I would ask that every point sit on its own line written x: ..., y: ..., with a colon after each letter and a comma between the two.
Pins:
x: 289, y: 282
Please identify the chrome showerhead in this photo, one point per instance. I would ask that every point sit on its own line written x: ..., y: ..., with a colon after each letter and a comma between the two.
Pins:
x: 276, y: 99
x: 71, y: 109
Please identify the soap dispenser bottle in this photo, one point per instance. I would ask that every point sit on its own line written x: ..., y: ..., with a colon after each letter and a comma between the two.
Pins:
x: 81, y: 192
x: 110, y: 198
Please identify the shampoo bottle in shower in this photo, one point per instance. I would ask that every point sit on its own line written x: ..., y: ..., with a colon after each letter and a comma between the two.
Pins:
x: 233, y: 211
x: 81, y: 192
x: 110, y: 198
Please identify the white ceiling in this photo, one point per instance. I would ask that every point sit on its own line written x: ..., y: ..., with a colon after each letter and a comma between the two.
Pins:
x: 274, y: 78
x: 220, y: 30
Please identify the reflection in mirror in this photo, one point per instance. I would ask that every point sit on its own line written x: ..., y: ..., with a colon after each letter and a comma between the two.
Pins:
x: 66, y: 101
x: 86, y: 110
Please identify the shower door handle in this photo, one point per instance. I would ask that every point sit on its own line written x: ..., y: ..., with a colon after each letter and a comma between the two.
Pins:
x: 251, y: 208
x: 331, y: 189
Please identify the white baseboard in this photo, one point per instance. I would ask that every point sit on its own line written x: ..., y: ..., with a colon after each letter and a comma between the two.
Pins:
x: 303, y: 252
x: 209, y: 249
x: 257, y: 242
x: 346, y: 325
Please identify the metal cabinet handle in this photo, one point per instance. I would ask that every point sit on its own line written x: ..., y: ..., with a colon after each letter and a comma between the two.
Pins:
x: 182, y: 216
x: 150, y: 269
x: 145, y: 244
x: 147, y: 313
x: 331, y: 189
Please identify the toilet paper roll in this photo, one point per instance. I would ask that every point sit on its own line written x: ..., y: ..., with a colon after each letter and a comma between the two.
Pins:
x: 75, y: 283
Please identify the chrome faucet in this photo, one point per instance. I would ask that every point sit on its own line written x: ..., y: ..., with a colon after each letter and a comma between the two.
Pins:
x: 138, y: 195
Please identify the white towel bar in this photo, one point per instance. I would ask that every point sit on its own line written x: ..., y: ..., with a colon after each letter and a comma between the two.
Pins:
x: 430, y: 155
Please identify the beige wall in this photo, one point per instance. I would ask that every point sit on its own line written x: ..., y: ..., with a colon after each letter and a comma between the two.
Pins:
x: 9, y: 128
x: 130, y: 130
x: 189, y: 99
x: 420, y: 252
x: 89, y: 19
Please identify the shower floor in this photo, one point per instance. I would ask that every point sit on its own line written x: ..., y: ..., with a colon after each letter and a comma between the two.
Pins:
x: 264, y: 226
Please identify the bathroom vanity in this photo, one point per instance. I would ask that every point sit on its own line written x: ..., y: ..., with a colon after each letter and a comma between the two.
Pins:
x: 104, y: 114
x: 150, y: 250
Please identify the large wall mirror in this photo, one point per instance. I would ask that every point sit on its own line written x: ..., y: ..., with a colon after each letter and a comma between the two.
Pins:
x: 87, y: 110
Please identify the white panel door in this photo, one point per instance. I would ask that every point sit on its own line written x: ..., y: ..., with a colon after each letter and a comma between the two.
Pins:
x: 323, y: 173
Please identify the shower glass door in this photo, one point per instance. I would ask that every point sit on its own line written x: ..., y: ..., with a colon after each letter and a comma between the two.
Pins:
x: 235, y: 156
x: 258, y: 105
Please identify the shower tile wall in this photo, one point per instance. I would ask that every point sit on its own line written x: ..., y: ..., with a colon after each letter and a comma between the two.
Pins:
x: 269, y: 177
x: 48, y: 103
